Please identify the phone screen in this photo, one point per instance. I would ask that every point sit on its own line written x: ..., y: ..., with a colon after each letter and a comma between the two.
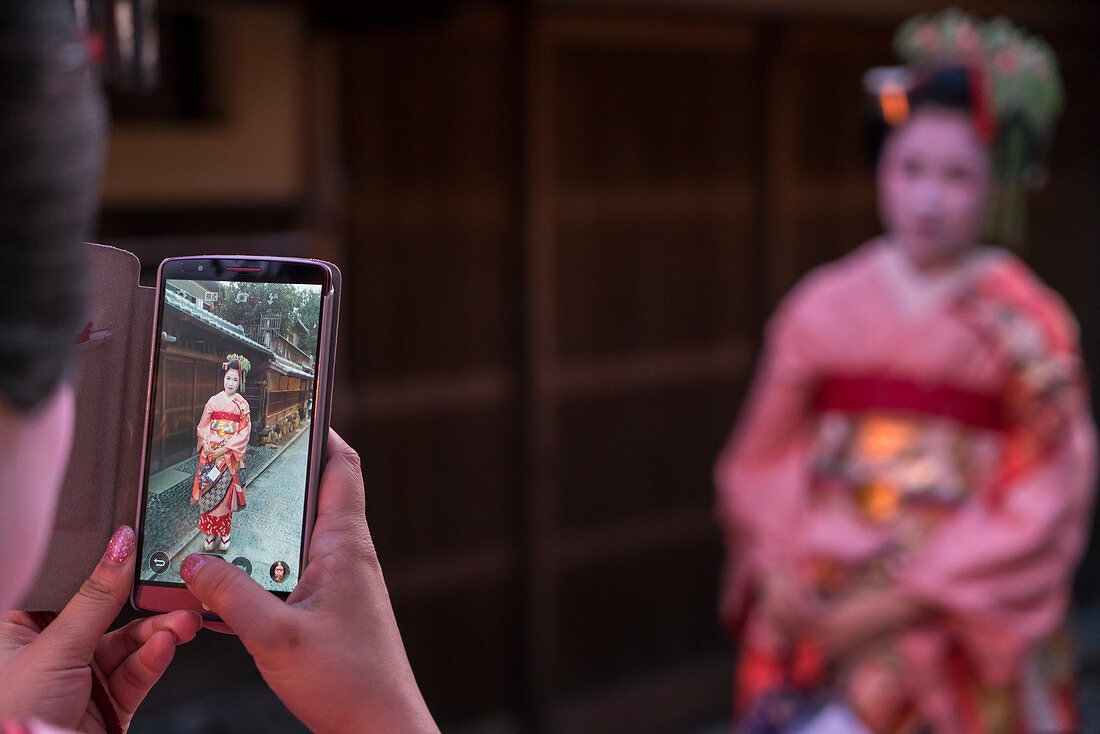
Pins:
x: 232, y: 414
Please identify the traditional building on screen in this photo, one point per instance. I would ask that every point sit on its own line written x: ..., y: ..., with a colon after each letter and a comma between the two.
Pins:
x: 194, y: 342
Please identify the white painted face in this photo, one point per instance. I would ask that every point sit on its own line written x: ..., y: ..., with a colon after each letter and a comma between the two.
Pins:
x: 34, y: 453
x: 231, y: 381
x: 933, y: 184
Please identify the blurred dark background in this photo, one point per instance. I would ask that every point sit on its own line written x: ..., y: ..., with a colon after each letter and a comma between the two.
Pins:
x: 561, y: 226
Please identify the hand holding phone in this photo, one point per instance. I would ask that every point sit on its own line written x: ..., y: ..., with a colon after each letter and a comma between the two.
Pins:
x: 332, y: 653
x: 48, y: 673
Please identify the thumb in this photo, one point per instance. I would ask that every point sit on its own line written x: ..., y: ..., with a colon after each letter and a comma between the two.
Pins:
x: 251, y: 611
x: 80, y: 626
x: 342, y: 493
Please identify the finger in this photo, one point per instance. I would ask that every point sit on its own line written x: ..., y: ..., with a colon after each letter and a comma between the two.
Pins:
x: 136, y: 674
x: 341, y: 527
x: 252, y: 612
x: 116, y: 646
x: 79, y: 627
x: 342, y: 491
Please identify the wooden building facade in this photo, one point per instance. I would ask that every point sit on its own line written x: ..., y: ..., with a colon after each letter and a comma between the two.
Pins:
x: 194, y: 344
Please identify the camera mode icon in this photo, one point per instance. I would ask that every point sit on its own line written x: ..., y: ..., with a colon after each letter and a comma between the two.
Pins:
x: 244, y: 564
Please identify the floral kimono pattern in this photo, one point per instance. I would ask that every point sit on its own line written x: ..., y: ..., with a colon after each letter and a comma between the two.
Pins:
x: 224, y: 423
x: 930, y: 433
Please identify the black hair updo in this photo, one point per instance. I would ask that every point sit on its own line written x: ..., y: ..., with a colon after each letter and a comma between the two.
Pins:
x: 948, y: 88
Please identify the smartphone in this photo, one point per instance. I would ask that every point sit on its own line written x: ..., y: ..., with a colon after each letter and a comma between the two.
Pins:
x: 236, y: 422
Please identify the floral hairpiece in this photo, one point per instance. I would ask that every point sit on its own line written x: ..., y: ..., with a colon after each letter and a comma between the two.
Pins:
x: 240, y: 359
x: 1020, y: 70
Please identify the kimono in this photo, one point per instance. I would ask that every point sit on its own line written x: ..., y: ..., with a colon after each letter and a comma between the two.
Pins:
x: 928, y: 433
x: 224, y: 422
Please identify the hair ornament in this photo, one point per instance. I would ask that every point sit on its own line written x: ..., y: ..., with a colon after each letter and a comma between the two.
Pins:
x: 890, y: 87
x: 240, y: 359
x: 1020, y: 70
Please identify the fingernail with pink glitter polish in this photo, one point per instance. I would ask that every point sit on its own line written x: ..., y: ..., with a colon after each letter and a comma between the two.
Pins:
x: 191, y: 566
x: 121, y: 545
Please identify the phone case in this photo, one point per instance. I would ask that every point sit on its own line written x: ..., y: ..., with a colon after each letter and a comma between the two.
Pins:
x: 111, y: 376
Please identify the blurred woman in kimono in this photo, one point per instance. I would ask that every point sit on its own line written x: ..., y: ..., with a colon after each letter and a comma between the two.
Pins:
x: 910, y: 485
x: 223, y: 433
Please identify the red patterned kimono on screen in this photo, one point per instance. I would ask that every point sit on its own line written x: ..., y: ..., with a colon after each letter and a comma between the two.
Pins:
x: 225, y: 423
x: 928, y: 432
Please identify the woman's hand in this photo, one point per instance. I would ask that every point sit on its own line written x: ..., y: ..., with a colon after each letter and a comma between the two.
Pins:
x: 786, y: 602
x: 332, y: 652
x: 47, y: 675
x: 213, y: 449
x: 856, y: 622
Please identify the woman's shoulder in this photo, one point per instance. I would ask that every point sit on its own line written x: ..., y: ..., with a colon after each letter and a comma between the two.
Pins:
x: 240, y: 402
x: 1008, y: 280
x: 833, y: 281
x: 1007, y: 270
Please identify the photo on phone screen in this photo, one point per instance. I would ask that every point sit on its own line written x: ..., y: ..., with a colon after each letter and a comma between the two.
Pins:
x: 227, y: 453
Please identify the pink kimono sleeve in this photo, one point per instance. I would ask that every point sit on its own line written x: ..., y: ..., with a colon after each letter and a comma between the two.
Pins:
x: 238, y: 442
x: 203, y: 429
x: 1001, y: 570
x: 762, y: 474
x: 203, y: 432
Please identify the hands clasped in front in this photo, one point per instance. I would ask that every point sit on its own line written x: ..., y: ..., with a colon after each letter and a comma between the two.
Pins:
x: 841, y: 627
x: 332, y: 652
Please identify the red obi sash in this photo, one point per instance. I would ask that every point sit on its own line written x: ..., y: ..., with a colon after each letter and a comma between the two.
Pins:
x: 859, y: 394
x: 221, y: 415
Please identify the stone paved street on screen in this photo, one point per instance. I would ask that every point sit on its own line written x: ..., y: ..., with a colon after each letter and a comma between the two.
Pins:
x: 264, y: 532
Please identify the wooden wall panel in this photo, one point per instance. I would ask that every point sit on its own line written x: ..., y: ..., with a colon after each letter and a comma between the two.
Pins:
x: 434, y: 113
x: 430, y: 147
x: 640, y: 114
x: 648, y: 284
x: 427, y: 126
x: 823, y: 236
x: 435, y: 296
x: 442, y: 482
x: 462, y: 645
x: 820, y: 197
x: 642, y: 455
x: 632, y: 613
x: 645, y: 277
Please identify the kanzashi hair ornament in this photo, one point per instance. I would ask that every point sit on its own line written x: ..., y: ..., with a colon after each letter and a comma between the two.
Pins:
x: 890, y: 87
